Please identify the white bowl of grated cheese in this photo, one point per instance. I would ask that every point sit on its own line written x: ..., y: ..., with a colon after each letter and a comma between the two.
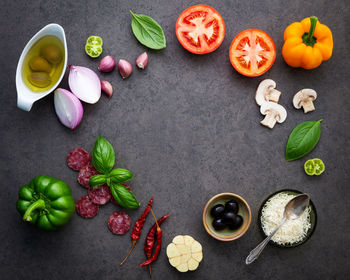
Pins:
x: 294, y: 232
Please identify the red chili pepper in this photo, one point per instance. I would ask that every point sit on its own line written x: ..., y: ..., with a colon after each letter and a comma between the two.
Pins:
x: 150, y: 239
x: 157, y: 251
x: 137, y: 229
x: 159, y: 244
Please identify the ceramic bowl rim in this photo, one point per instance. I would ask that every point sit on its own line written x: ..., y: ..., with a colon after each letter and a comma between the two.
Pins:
x: 290, y: 245
x: 231, y: 237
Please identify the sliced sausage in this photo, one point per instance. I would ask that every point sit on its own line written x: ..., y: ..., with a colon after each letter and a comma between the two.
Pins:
x: 78, y: 158
x: 85, y: 174
x: 119, y: 222
x: 86, y: 208
x: 100, y: 195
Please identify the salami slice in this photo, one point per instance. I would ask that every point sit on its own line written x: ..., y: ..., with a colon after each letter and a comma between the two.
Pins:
x: 78, y: 158
x: 112, y: 198
x: 86, y: 208
x: 100, y: 195
x: 85, y: 174
x: 119, y: 222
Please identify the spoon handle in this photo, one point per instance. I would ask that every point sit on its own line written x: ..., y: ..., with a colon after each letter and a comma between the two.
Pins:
x: 255, y: 253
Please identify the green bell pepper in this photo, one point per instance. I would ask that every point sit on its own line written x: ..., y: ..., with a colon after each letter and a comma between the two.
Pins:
x: 46, y: 202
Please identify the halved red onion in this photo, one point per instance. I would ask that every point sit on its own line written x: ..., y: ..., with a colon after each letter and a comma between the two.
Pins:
x: 68, y: 108
x: 84, y: 83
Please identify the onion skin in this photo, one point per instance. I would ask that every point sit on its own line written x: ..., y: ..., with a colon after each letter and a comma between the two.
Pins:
x: 107, y: 64
x: 84, y: 84
x: 142, y: 60
x: 107, y: 88
x: 68, y: 108
x: 125, y: 68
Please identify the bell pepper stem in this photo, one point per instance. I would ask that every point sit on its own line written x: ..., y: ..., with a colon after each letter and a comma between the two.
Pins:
x: 39, y: 204
x: 313, y: 21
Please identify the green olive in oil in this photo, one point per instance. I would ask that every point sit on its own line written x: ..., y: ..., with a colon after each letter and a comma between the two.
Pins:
x: 43, y: 64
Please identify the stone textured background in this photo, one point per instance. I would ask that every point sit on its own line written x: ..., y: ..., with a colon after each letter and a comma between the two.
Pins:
x: 188, y: 128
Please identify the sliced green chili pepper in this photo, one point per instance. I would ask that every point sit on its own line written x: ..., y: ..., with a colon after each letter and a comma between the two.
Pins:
x: 314, y: 166
x: 319, y: 166
x: 309, y: 167
x: 93, y: 46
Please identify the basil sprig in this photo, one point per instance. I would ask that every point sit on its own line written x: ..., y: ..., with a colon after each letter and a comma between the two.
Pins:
x: 103, y: 156
x: 148, y: 31
x: 103, y: 159
x: 123, y: 196
x: 97, y: 180
x: 303, y: 139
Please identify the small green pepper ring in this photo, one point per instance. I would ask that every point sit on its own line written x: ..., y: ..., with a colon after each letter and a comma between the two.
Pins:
x: 314, y: 167
x: 319, y: 166
x: 46, y: 202
x: 93, y: 46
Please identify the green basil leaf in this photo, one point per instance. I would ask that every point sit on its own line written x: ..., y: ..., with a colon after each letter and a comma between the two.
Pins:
x: 120, y: 175
x: 97, y: 180
x: 103, y: 156
x: 123, y: 196
x: 148, y: 31
x: 303, y: 139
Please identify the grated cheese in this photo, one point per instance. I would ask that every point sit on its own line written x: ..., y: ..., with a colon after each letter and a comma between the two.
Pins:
x: 292, y: 231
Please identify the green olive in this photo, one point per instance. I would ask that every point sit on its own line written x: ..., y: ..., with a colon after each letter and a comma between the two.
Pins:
x: 39, y: 79
x: 52, y: 53
x: 39, y: 64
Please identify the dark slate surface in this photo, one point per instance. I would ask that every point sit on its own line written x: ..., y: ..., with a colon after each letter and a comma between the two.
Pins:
x: 188, y: 128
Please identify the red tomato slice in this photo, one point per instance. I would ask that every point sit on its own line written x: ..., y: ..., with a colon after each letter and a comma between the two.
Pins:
x: 252, y: 52
x: 200, y: 29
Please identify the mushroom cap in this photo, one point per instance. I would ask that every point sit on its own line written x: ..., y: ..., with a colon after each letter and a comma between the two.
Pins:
x: 306, y: 93
x: 281, y: 113
x: 263, y: 90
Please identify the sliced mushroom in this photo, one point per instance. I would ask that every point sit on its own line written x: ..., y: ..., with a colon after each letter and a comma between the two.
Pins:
x: 274, y: 113
x: 266, y: 92
x: 304, y: 98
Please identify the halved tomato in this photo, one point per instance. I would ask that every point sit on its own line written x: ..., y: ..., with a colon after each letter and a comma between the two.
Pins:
x: 200, y: 29
x: 252, y: 52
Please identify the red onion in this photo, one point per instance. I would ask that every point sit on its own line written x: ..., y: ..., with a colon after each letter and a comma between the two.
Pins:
x: 125, y: 68
x: 142, y: 60
x: 68, y: 108
x: 107, y: 64
x: 84, y: 83
x: 107, y: 88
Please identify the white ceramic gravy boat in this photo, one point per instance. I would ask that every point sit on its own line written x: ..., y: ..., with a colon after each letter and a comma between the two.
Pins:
x: 25, y: 96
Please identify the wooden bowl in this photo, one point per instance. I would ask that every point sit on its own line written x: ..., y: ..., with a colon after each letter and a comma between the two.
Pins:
x: 227, y: 234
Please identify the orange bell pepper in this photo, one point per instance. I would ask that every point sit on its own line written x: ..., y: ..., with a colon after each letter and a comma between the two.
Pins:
x: 307, y: 43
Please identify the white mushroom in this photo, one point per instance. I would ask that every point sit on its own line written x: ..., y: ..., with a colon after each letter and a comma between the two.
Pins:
x: 266, y: 92
x: 274, y: 113
x: 304, y: 98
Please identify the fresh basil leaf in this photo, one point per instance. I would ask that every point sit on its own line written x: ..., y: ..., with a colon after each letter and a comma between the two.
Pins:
x: 120, y: 175
x: 123, y: 196
x: 103, y: 156
x: 97, y: 180
x: 148, y: 31
x: 303, y: 139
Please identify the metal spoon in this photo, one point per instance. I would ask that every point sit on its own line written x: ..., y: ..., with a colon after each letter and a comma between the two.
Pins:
x: 294, y: 208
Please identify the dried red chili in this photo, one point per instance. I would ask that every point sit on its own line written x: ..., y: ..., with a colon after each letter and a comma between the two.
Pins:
x: 137, y: 229
x: 150, y: 239
x: 159, y: 244
x: 157, y: 251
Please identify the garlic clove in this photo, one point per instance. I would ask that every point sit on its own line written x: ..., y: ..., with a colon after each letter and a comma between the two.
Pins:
x: 142, y: 60
x: 107, y: 88
x: 125, y: 68
x: 107, y: 64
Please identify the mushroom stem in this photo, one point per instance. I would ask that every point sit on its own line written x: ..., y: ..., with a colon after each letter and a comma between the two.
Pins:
x: 270, y: 119
x: 274, y: 95
x: 308, y: 105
